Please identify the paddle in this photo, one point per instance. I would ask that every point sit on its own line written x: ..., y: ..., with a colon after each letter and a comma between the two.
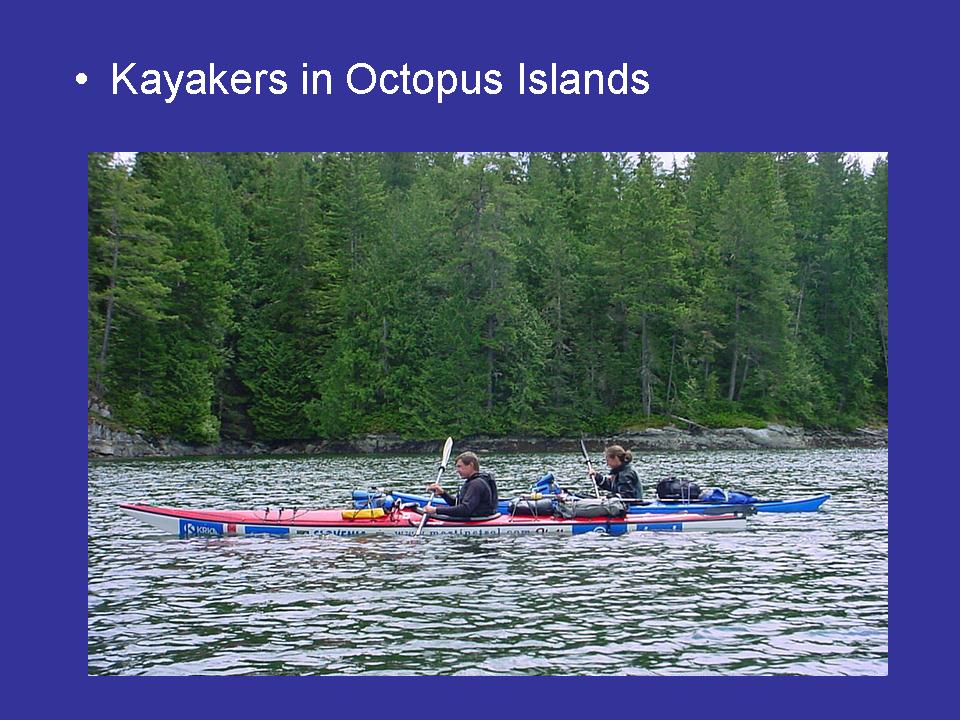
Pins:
x: 590, y: 469
x: 447, y: 447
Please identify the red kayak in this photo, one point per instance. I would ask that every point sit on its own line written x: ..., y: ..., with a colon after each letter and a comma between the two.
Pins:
x: 193, y: 523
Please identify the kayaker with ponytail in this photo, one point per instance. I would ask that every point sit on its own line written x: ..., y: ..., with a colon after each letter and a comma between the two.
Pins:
x: 476, y: 498
x: 623, y: 479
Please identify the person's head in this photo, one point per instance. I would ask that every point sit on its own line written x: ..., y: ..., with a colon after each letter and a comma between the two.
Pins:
x: 467, y: 464
x: 617, y: 456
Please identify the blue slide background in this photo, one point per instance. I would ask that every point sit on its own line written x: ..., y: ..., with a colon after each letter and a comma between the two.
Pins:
x: 751, y: 76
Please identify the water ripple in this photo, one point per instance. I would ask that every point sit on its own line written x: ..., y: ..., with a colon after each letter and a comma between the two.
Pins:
x: 798, y: 594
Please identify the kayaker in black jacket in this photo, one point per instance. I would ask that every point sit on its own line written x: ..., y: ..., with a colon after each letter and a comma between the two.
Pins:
x: 477, y: 496
x: 623, y: 479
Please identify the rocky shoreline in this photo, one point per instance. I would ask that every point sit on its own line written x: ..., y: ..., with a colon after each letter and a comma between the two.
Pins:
x: 104, y: 440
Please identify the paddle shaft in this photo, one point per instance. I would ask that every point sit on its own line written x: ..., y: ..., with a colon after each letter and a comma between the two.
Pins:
x: 590, y: 470
x: 447, y: 447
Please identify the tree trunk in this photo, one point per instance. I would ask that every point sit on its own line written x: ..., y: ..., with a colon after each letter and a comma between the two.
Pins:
x: 883, y: 342
x: 558, y: 338
x: 490, y: 367
x: 736, y: 354
x: 673, y: 352
x: 644, y: 366
x: 384, y: 361
x: 733, y: 374
x: 491, y: 329
x: 796, y: 322
x: 108, y: 322
x: 743, y: 377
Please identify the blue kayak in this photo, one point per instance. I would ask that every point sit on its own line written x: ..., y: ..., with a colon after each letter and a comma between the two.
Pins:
x: 807, y: 504
x: 377, y: 498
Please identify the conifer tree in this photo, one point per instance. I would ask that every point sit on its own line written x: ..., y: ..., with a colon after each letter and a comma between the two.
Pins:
x: 130, y: 263
x: 282, y: 297
x: 755, y: 234
x: 176, y: 385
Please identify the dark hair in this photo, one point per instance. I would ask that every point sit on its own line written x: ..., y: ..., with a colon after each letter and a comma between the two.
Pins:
x: 469, y: 458
x: 616, y: 451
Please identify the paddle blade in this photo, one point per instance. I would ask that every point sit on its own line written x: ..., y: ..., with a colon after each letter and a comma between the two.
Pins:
x: 583, y: 449
x: 447, y: 447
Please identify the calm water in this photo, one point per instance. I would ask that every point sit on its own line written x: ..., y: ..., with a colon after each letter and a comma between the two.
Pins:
x: 793, y: 594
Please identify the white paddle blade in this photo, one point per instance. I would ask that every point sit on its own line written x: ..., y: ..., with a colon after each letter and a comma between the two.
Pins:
x: 447, y: 447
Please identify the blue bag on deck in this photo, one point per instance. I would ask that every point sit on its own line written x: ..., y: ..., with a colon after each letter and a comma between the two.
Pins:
x: 718, y: 495
x: 547, y: 485
x: 714, y: 495
x: 363, y: 499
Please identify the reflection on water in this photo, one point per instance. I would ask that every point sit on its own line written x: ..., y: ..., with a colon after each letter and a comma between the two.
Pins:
x: 793, y: 594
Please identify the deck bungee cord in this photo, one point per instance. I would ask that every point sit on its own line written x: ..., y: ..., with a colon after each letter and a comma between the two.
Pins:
x: 280, y: 509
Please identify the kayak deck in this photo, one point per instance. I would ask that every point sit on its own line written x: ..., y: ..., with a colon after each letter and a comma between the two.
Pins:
x: 192, y: 523
x: 362, y: 498
x: 807, y: 504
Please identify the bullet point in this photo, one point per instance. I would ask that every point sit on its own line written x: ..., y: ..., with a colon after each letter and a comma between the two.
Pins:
x: 81, y: 78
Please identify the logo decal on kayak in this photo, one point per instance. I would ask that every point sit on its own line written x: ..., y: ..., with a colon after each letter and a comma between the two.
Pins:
x: 329, y: 531
x: 582, y: 528
x: 266, y: 530
x: 199, y: 528
x: 666, y: 527
x: 600, y: 528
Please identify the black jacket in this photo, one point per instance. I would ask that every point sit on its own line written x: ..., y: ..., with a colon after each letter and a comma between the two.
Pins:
x: 477, y: 498
x: 623, y: 481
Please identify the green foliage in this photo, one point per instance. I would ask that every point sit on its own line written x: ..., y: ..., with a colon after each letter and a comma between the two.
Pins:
x: 732, y: 419
x: 640, y: 422
x: 131, y: 264
x: 289, y: 296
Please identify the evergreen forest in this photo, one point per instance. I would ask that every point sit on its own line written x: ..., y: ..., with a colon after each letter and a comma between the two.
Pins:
x: 294, y: 296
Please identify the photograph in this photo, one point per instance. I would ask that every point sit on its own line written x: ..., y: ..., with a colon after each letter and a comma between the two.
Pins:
x: 580, y: 413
